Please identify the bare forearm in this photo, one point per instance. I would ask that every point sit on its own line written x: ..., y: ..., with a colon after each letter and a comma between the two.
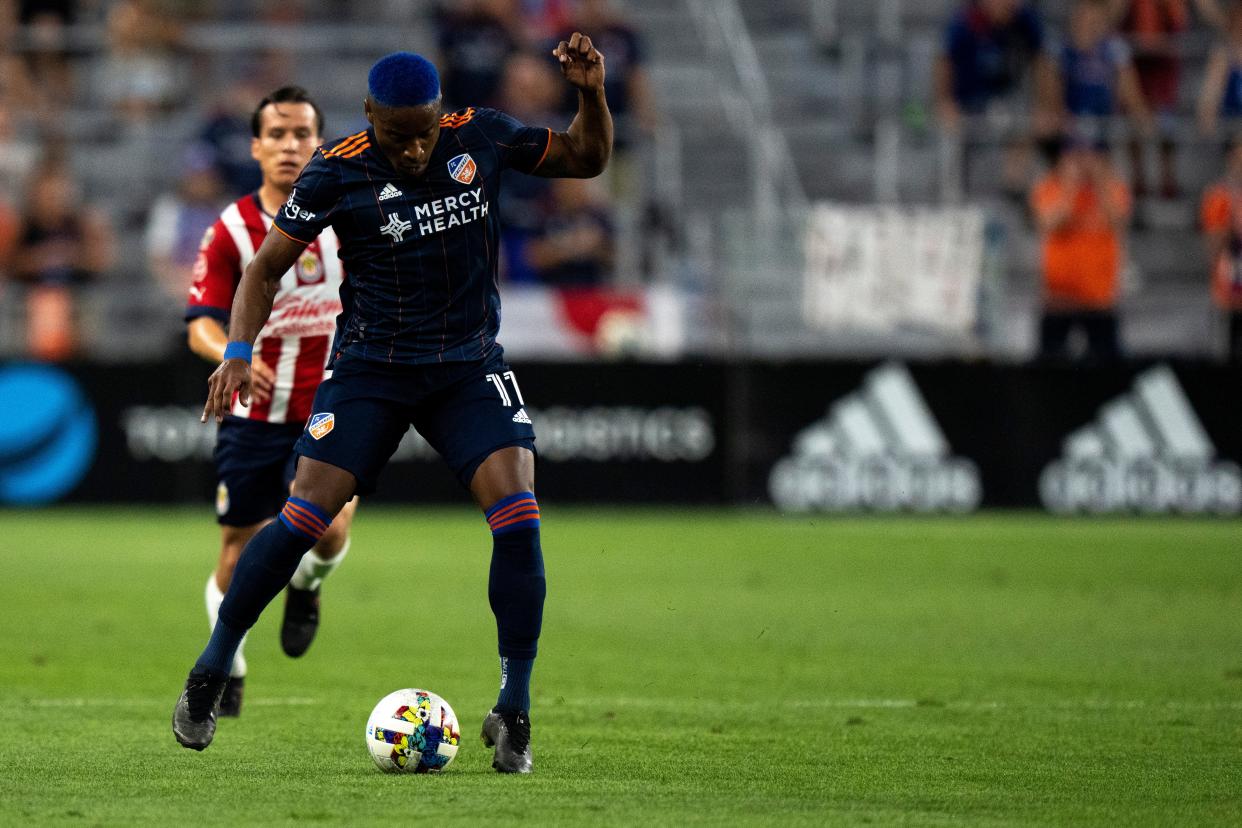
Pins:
x: 591, y: 133
x: 253, y: 303
x: 207, y: 338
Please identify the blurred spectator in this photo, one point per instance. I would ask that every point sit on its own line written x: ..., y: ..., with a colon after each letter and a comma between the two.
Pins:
x: 10, y: 226
x: 475, y: 38
x: 1221, y: 217
x: 16, y: 89
x: 1221, y: 95
x: 1082, y: 208
x: 46, y: 23
x: 1095, y: 75
x: 1151, y: 27
x: 62, y: 244
x: 992, y: 48
x: 545, y: 19
x: 177, y: 222
x: 227, y: 135
x: 18, y: 155
x: 625, y: 83
x: 993, y: 57
x: 575, y: 246
x: 140, y: 76
x: 530, y: 90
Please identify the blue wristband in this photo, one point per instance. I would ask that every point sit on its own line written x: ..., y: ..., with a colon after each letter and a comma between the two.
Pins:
x: 238, y: 350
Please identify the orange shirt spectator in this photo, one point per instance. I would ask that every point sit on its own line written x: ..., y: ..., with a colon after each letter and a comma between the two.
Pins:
x: 1221, y: 217
x: 1082, y: 208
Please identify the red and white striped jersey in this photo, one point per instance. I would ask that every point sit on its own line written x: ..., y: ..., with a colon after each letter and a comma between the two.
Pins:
x: 297, y: 338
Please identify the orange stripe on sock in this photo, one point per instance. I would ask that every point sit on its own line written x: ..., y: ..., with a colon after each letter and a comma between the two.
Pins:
x: 310, y: 520
x: 522, y: 518
x: 518, y: 518
x: 309, y: 516
x: 298, y: 522
x: 508, y: 510
x: 525, y: 510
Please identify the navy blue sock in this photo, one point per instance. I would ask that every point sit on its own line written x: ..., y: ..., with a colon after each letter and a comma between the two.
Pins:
x: 266, y: 565
x: 515, y: 683
x: 516, y: 589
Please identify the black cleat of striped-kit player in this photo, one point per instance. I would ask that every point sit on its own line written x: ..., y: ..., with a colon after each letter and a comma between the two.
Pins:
x: 301, y: 621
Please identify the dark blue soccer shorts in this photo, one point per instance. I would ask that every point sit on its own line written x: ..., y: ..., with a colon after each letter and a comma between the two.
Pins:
x: 465, y: 410
x: 254, y: 466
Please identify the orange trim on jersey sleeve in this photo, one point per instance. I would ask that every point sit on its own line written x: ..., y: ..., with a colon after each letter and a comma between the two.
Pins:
x: 357, y: 150
x: 545, y: 152
x: 276, y: 227
x: 457, y: 119
x: 347, y: 144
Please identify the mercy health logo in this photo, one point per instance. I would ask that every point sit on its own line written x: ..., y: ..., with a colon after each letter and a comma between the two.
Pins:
x: 1146, y: 451
x: 880, y: 449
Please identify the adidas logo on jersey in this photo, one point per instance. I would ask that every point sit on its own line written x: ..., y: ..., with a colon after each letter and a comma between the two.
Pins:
x: 521, y: 417
x: 1145, y: 451
x: 879, y: 448
x: 389, y: 191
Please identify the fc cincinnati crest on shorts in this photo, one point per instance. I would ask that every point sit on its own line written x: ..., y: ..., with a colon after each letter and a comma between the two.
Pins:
x: 462, y: 168
x: 320, y: 424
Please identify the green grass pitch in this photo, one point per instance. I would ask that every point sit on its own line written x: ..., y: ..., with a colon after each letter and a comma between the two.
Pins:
x: 697, y: 667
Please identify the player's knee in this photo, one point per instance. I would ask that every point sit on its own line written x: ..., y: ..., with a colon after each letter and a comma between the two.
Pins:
x: 505, y: 472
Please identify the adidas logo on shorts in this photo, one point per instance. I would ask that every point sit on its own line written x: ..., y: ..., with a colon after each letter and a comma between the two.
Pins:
x: 521, y: 417
x: 389, y: 191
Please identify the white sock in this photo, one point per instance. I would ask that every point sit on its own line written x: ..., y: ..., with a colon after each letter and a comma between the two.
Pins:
x: 312, y: 569
x: 214, y: 598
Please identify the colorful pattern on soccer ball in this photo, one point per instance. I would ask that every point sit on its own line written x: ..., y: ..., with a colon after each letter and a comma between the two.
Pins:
x: 422, y: 743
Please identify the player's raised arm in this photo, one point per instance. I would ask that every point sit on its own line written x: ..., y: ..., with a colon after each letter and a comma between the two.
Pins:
x: 583, y: 150
x: 252, y: 305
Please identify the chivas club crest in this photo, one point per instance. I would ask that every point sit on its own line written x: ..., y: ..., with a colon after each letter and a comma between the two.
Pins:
x: 462, y: 168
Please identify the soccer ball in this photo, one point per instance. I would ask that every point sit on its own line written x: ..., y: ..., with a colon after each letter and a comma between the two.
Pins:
x: 412, y: 731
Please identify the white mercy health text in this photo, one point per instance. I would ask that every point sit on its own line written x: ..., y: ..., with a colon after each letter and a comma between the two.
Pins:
x: 450, y: 211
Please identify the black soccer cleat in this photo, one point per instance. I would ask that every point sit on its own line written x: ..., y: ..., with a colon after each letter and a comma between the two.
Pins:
x: 509, y: 733
x: 298, y: 629
x: 230, y: 702
x: 194, y: 717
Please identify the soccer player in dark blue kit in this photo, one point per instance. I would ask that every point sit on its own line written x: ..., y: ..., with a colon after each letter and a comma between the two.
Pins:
x: 413, y: 201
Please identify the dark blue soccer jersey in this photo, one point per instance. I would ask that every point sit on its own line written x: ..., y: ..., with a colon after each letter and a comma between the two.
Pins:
x: 420, y: 253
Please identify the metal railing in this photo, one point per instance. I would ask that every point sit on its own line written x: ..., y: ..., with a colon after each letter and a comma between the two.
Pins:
x: 776, y: 186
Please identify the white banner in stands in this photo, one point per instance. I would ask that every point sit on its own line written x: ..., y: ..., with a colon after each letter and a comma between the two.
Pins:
x: 880, y: 268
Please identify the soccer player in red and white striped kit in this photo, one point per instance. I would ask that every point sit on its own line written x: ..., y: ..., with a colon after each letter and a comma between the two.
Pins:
x: 254, y: 456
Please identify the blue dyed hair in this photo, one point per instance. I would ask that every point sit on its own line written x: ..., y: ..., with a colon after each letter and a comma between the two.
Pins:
x: 403, y: 79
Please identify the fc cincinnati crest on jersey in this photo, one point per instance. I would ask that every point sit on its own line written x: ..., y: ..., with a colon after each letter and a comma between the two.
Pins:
x: 462, y: 168
x: 320, y: 425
